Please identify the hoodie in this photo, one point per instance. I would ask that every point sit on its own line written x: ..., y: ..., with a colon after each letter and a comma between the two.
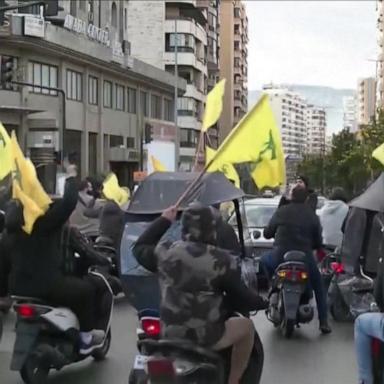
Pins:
x: 195, y: 276
x: 332, y: 216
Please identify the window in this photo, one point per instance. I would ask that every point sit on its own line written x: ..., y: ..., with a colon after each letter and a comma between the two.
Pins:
x: 132, y: 102
x: 212, y: 21
x: 44, y: 75
x: 93, y: 85
x: 73, y: 7
x: 74, y: 85
x: 185, y: 42
x: 107, y: 94
x: 116, y: 141
x: 237, y: 45
x: 120, y: 97
x: 188, y: 138
x: 114, y: 15
x: 168, y: 110
x: 130, y: 142
x: 92, y: 153
x: 237, y: 62
x: 156, y: 107
x: 186, y: 106
x: 237, y: 29
x: 125, y: 18
x: 144, y: 105
x: 236, y: 12
x: 82, y: 4
x: 90, y: 6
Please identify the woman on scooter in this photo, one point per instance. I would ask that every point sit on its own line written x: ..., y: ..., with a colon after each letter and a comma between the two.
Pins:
x: 368, y: 326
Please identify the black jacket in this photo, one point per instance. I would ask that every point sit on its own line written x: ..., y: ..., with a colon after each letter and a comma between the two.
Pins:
x: 239, y: 297
x: 379, y: 285
x: 37, y: 258
x: 295, y: 227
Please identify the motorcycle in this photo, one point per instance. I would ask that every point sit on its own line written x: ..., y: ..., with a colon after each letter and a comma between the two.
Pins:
x: 179, y: 361
x: 290, y: 294
x: 47, y: 337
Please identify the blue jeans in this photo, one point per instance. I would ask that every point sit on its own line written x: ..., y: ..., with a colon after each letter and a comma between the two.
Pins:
x: 367, y: 326
x: 272, y: 260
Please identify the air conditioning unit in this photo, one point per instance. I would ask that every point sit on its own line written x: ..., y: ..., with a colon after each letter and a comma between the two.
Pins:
x: 126, y: 47
x: 90, y: 17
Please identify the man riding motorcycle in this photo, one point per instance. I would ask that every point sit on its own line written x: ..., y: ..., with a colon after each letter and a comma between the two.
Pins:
x: 296, y: 227
x: 37, y: 262
x: 368, y: 326
x: 194, y: 276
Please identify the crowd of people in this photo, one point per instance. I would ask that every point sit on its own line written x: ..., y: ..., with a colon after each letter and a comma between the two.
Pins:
x: 199, y: 275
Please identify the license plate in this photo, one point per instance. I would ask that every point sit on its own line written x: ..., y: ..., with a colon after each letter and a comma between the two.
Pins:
x: 140, y: 362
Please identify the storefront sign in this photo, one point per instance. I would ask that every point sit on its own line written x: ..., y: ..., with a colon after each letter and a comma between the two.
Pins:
x: 91, y: 31
x: 34, y: 26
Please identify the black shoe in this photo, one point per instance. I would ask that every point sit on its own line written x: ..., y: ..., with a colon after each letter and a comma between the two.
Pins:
x: 325, y: 329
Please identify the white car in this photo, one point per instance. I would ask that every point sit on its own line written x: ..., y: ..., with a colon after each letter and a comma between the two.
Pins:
x: 256, y: 214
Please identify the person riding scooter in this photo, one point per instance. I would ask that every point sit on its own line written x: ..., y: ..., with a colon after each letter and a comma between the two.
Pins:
x: 194, y: 276
x: 296, y: 227
x: 36, y: 262
x: 368, y: 326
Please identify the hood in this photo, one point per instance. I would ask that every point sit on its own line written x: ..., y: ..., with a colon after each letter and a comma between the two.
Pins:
x: 333, y: 206
x: 199, y: 224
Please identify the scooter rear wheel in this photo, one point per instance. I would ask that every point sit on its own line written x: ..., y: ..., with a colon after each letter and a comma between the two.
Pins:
x: 101, y: 353
x: 34, y: 372
x: 287, y: 327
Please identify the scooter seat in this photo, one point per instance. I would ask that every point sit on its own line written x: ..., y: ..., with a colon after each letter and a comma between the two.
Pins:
x: 148, y: 312
x: 104, y: 240
x: 28, y: 299
x: 295, y: 256
x: 166, y: 346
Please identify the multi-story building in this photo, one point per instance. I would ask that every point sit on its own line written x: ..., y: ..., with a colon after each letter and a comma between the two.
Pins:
x: 172, y: 35
x: 316, y: 124
x: 233, y: 63
x: 349, y: 115
x: 289, y: 109
x: 366, y: 100
x: 380, y: 57
x: 97, y: 100
x: 328, y: 143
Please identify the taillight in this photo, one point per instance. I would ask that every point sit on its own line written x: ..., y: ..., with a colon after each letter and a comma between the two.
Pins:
x: 288, y: 274
x: 25, y: 311
x: 376, y: 347
x: 151, y: 326
x: 337, y: 267
x: 161, y: 369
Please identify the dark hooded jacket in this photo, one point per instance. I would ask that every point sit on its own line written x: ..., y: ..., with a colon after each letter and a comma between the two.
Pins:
x: 37, y: 258
x: 112, y: 222
x: 194, y: 276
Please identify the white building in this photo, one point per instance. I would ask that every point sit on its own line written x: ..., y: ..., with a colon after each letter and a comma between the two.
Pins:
x: 366, y: 100
x: 155, y: 28
x: 289, y: 109
x: 350, y: 108
x: 328, y: 143
x: 316, y: 125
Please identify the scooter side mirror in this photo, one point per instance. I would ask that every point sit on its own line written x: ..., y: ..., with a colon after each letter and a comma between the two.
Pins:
x: 256, y: 234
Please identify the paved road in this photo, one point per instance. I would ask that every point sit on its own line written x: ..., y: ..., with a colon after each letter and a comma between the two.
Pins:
x: 308, y: 358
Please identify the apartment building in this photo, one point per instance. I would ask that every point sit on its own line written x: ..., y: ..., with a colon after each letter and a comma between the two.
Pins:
x: 233, y: 63
x: 98, y: 100
x: 366, y: 100
x: 380, y: 56
x: 350, y: 113
x: 316, y: 125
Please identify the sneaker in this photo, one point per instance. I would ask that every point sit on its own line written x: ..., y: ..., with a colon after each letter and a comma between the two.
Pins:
x: 97, y: 341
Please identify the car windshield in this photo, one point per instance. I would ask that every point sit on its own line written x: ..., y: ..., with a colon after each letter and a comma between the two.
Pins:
x: 258, y: 216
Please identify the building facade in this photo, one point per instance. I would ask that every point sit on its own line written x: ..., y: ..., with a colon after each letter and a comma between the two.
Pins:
x: 89, y: 99
x: 289, y: 109
x: 350, y: 113
x: 380, y: 56
x: 173, y: 35
x: 233, y: 63
x: 366, y: 100
x: 316, y: 125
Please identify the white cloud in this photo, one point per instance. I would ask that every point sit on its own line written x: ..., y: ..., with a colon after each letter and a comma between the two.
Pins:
x: 311, y: 42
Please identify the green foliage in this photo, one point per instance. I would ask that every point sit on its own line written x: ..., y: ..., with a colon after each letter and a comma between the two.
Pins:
x: 349, y: 164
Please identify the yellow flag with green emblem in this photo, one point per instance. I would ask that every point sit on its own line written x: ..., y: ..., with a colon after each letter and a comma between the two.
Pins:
x: 113, y: 191
x: 378, y: 153
x: 213, y: 105
x: 256, y: 139
x: 5, y: 153
x: 226, y: 168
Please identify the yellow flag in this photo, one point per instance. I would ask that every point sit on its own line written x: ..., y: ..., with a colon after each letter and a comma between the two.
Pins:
x: 5, y: 153
x: 113, y: 191
x: 157, y: 165
x: 378, y: 154
x: 26, y: 187
x: 226, y: 168
x: 256, y: 139
x: 213, y: 105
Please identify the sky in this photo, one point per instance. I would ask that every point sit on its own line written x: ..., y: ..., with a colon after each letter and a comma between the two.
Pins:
x: 326, y: 43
